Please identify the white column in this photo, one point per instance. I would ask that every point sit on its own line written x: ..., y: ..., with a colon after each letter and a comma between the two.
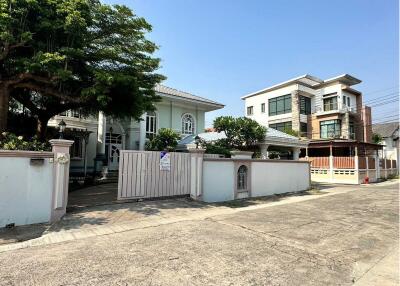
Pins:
x: 60, y: 149
x: 331, y: 163
x: 264, y: 151
x: 296, y: 153
x: 101, y: 134
x: 356, y: 167
x: 196, y: 173
x: 377, y: 167
x: 142, y: 132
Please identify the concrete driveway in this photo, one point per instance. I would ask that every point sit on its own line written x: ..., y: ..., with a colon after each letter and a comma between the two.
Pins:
x: 340, y: 239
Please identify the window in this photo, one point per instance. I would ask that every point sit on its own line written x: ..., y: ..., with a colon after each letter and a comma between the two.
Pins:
x: 344, y: 100
x: 262, y: 107
x: 76, y: 148
x: 280, y: 105
x: 330, y: 129
x: 249, y: 110
x: 151, y: 124
x: 352, y: 134
x: 330, y: 103
x: 348, y: 101
x: 305, y: 105
x: 242, y: 178
x: 303, y: 129
x: 282, y: 126
x: 187, y: 124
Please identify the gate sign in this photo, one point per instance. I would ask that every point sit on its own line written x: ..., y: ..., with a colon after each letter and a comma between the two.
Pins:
x: 165, y: 161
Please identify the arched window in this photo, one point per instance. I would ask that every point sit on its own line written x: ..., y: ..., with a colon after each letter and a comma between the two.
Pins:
x: 151, y: 124
x: 242, y: 178
x: 188, y: 124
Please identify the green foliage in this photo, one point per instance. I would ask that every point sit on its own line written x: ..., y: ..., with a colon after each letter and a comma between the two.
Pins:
x: 241, y: 133
x: 165, y: 140
x: 377, y: 138
x: 217, y: 147
x: 10, y: 141
x: 292, y: 132
x: 77, y: 54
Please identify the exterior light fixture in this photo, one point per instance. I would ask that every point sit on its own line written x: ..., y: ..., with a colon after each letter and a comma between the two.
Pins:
x: 61, y: 128
x: 197, y: 141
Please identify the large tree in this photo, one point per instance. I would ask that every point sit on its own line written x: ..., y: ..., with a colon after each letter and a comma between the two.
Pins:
x: 57, y: 55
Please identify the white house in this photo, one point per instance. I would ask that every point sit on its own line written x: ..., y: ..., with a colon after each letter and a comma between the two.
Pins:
x: 390, y: 139
x: 103, y: 137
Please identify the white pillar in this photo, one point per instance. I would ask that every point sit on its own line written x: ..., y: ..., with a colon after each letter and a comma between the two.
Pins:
x: 196, y: 173
x: 331, y: 163
x: 356, y: 167
x: 377, y: 167
x: 60, y: 148
x: 264, y: 151
x: 101, y: 134
x: 296, y: 153
x: 142, y: 132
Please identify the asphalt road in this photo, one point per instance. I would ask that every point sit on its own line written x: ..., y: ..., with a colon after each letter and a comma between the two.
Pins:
x: 333, y: 240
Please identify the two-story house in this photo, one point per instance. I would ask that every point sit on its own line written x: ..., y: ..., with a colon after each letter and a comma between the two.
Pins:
x: 103, y: 137
x: 317, y: 109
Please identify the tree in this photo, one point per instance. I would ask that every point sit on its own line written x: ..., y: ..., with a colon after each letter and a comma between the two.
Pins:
x: 241, y: 133
x: 57, y: 55
x: 165, y: 140
x: 377, y: 138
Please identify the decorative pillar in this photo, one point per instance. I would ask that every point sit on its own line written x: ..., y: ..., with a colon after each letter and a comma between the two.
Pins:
x: 306, y: 153
x: 264, y: 151
x: 60, y: 149
x: 296, y: 153
x: 142, y: 132
x: 331, y: 162
x: 356, y: 167
x: 196, y: 173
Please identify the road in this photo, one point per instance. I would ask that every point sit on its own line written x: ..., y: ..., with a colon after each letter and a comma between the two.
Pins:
x: 341, y: 239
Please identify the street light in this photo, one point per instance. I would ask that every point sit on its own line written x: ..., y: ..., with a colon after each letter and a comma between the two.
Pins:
x: 61, y: 128
x: 197, y: 141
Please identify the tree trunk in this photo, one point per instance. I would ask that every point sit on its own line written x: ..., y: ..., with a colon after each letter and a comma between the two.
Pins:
x: 4, y: 101
x: 42, y: 127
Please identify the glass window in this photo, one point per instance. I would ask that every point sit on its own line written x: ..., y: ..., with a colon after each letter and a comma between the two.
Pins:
x: 242, y: 178
x: 76, y: 148
x: 344, y: 100
x: 305, y: 105
x: 330, y: 129
x: 348, y: 101
x: 303, y: 129
x: 262, y: 107
x: 280, y: 105
x: 282, y: 126
x: 330, y: 103
x: 151, y: 124
x: 250, y: 110
x: 188, y: 124
x: 352, y: 134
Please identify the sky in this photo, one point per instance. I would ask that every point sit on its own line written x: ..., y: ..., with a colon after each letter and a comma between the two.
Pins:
x: 224, y: 49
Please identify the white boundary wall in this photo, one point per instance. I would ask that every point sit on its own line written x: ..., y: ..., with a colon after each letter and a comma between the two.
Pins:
x: 266, y: 177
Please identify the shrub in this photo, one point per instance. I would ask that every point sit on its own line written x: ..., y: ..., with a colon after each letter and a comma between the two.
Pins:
x: 165, y: 140
x: 10, y: 141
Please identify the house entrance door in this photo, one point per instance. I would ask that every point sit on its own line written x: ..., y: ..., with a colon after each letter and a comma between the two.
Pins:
x: 113, y: 147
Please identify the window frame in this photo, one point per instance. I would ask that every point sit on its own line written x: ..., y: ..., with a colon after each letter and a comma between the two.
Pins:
x: 262, y: 107
x: 285, y: 106
x: 250, y: 110
x: 331, y: 105
x: 281, y: 126
x: 151, y: 131
x: 184, y: 130
x: 337, y: 128
x: 305, y: 108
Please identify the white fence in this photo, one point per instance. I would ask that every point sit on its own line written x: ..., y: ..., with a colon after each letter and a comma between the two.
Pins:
x: 34, y: 185
x: 140, y: 175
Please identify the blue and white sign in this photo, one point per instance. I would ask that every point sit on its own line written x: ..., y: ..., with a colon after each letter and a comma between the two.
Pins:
x: 165, y: 161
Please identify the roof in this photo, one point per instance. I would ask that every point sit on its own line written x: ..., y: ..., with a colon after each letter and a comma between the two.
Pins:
x: 185, y: 95
x: 310, y: 81
x: 206, y: 136
x: 385, y: 129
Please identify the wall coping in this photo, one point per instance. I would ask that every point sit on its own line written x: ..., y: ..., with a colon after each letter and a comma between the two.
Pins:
x: 256, y: 160
x: 27, y: 154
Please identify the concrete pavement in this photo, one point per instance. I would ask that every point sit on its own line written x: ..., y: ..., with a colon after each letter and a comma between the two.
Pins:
x: 335, y: 239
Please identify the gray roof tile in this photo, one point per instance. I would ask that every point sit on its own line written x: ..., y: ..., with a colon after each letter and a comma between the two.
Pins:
x: 385, y: 129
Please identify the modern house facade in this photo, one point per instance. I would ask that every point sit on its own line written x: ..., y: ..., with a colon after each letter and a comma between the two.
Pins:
x: 104, y: 137
x: 390, y: 139
x: 317, y: 109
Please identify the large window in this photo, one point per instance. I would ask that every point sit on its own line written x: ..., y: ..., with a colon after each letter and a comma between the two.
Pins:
x: 330, y: 103
x: 151, y: 124
x: 282, y: 126
x: 249, y: 110
x: 330, y: 129
x: 188, y: 124
x: 280, y: 105
x: 305, y: 105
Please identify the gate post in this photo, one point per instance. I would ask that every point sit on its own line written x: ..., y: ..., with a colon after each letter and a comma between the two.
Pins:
x: 196, y: 173
x: 60, y: 149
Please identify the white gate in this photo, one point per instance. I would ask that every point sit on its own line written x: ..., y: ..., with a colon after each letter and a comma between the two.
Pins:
x: 140, y: 175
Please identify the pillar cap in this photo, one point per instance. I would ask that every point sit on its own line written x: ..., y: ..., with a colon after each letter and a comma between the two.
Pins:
x: 61, y: 142
x: 199, y: 150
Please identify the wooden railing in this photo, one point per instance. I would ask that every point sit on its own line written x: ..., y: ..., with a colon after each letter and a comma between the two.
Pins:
x: 319, y: 162
x: 343, y: 163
